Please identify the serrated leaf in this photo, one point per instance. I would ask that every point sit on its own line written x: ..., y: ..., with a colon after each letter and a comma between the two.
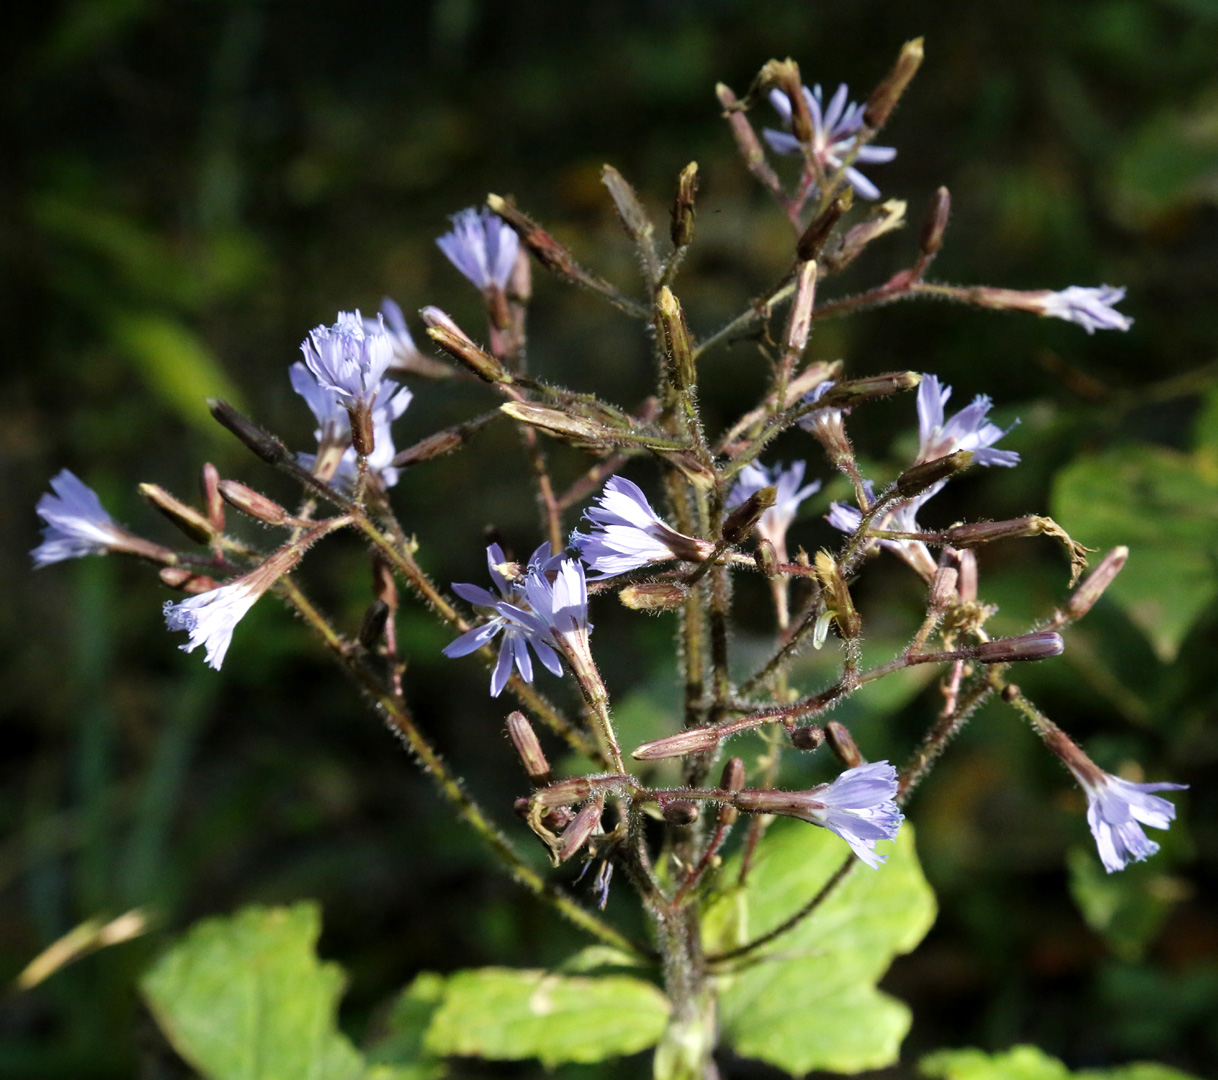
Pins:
x: 246, y: 998
x: 1164, y: 506
x: 1031, y: 1063
x: 826, y: 967
x: 508, y: 1014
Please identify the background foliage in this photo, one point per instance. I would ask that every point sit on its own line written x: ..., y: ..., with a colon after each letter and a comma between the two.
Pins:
x: 190, y: 187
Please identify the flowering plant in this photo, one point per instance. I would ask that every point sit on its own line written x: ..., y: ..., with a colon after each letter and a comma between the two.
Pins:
x: 717, y: 960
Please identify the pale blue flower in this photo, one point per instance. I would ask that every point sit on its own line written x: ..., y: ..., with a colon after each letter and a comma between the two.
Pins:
x: 509, y: 617
x: 350, y: 359
x: 1116, y: 811
x: 1090, y: 308
x: 76, y: 523
x: 211, y: 617
x: 859, y: 806
x: 394, y: 323
x: 967, y: 430
x: 482, y: 246
x: 627, y: 533
x: 835, y: 129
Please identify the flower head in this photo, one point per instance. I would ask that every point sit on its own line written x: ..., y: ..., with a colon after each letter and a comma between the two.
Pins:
x: 1090, y: 308
x: 627, y: 533
x: 510, y: 618
x: 859, y: 806
x: 482, y: 246
x: 835, y: 130
x: 775, y: 521
x: 903, y: 518
x: 76, y: 523
x: 333, y: 432
x: 394, y: 324
x: 1116, y: 811
x: 350, y: 358
x: 211, y: 617
x: 967, y: 430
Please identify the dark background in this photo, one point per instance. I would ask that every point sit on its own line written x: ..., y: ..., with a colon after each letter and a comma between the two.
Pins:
x: 189, y: 187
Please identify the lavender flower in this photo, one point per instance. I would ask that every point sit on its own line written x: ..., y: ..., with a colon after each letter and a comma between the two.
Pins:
x: 835, y: 130
x: 1090, y: 308
x: 775, y: 521
x: 967, y: 430
x: 859, y: 806
x: 211, y: 617
x: 349, y: 359
x: 394, y: 324
x: 76, y: 523
x: 1116, y: 811
x: 510, y: 618
x: 482, y: 246
x: 333, y: 432
x: 627, y: 533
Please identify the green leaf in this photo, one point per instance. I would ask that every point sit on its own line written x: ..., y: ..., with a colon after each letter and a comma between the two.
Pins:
x: 1164, y: 506
x: 176, y: 364
x: 1031, y: 1063
x: 811, y: 1003
x: 406, y: 1026
x: 245, y: 998
x: 1126, y: 909
x: 509, y: 1014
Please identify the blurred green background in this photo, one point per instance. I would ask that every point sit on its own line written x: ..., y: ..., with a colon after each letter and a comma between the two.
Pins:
x: 189, y: 187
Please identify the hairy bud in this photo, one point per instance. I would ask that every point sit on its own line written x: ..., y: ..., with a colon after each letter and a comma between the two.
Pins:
x: 186, y: 518
x: 739, y: 523
x: 458, y: 344
x: 885, y: 96
x: 807, y: 738
x: 251, y: 502
x: 524, y: 738
x: 915, y: 480
x: 677, y: 345
x: 682, y: 231
x: 935, y: 224
x: 680, y: 811
x: 653, y: 596
x: 1038, y: 646
x: 692, y: 741
x: 211, y: 496
x: 850, y: 392
x: 260, y: 441
x: 1086, y: 595
x: 837, y: 595
x: 767, y: 558
x: 821, y: 227
x: 799, y: 322
x: 842, y: 744
x: 579, y: 832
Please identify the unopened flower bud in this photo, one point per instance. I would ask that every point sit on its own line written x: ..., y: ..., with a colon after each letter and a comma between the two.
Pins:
x: 821, y: 227
x: 799, y: 322
x: 1038, y: 646
x: 677, y: 346
x: 692, y: 741
x: 373, y: 627
x: 441, y: 443
x: 524, y: 738
x: 767, y: 558
x: 680, y: 811
x: 683, y: 207
x: 630, y: 211
x: 261, y: 442
x: 558, y: 423
x: 842, y: 744
x: 965, y: 563
x: 837, y: 595
x: 186, y: 518
x: 885, y: 96
x: 653, y: 596
x: 1086, y: 595
x: 842, y: 395
x: 579, y: 832
x: 460, y: 346
x: 943, y: 588
x: 211, y: 496
x: 935, y: 224
x: 733, y: 776
x: 807, y: 738
x: 784, y: 75
x: 915, y: 480
x: 548, y: 251
x: 976, y: 533
x: 739, y: 523
x: 186, y: 581
x: 251, y: 502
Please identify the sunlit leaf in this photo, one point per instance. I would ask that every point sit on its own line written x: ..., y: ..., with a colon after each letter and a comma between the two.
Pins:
x: 246, y: 998
x: 827, y: 967
x: 1164, y: 506
x: 503, y: 1013
x: 1031, y: 1063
